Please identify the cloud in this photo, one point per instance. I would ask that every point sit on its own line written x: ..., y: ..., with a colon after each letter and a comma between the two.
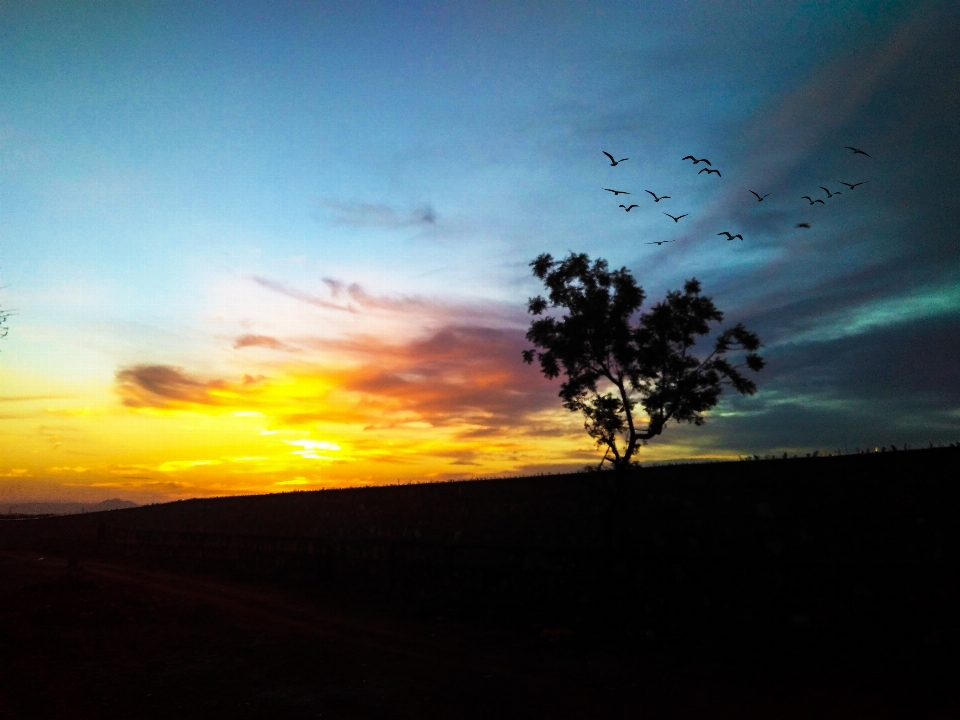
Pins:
x: 310, y: 449
x: 264, y: 341
x: 460, y: 376
x: 915, y: 361
x: 16, y: 473
x: 378, y: 215
x: 875, y: 256
x: 772, y: 153
x: 363, y: 299
x: 897, y: 383
x: 349, y: 298
x: 165, y: 386
x: 352, y: 298
x: 299, y: 480
x: 363, y: 407
x: 299, y: 294
x: 178, y: 465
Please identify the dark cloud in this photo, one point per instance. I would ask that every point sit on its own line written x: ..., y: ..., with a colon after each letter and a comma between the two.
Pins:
x: 917, y: 360
x: 377, y: 215
x: 894, y: 384
x: 164, y: 386
x: 855, y: 310
x: 804, y: 423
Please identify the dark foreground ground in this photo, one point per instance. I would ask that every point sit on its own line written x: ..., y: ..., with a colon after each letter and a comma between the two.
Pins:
x: 104, y: 640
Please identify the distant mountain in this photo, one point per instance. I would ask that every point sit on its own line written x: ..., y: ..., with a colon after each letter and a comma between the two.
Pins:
x: 64, y: 508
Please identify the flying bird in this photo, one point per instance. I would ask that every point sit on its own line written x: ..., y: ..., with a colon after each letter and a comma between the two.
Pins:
x: 830, y: 194
x: 812, y: 201
x: 659, y: 242
x: 628, y: 209
x: 759, y: 198
x: 695, y: 161
x: 729, y: 236
x: 803, y: 225
x: 856, y: 151
x: 676, y: 219
x: 658, y: 199
x: 617, y: 192
x: 854, y: 185
x: 612, y: 161
x: 708, y: 171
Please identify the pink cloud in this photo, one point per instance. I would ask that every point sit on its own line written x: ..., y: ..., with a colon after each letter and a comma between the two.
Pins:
x: 264, y: 341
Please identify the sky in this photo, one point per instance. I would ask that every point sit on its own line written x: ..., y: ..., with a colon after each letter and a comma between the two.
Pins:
x: 262, y: 247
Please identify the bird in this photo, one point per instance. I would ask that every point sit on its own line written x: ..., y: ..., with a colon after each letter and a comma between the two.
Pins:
x: 658, y: 199
x: 759, y: 198
x: 676, y: 219
x: 856, y: 151
x: 612, y: 161
x: 729, y: 236
x: 659, y: 242
x: 617, y: 192
x: 695, y: 161
x: 803, y: 225
x: 830, y: 194
x: 708, y: 171
x: 812, y: 201
x: 628, y: 209
x: 854, y: 185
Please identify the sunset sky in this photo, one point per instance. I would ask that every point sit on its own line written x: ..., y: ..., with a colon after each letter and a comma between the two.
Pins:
x: 254, y: 247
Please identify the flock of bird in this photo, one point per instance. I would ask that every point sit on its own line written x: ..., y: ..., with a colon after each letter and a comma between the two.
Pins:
x: 710, y: 170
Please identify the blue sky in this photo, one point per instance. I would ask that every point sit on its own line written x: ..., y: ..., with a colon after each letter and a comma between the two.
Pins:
x: 174, y: 177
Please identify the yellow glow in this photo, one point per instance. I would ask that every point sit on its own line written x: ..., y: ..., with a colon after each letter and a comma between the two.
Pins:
x: 296, y: 481
x: 160, y: 432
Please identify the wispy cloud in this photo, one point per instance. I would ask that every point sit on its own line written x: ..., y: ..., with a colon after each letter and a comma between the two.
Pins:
x: 377, y: 215
x: 353, y: 298
x: 263, y: 341
x: 363, y: 299
x: 296, y: 294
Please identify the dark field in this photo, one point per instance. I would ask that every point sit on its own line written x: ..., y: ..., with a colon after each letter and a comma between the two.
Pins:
x: 812, y: 588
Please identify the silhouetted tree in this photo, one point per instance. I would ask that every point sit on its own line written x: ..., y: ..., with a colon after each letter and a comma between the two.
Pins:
x: 614, y: 360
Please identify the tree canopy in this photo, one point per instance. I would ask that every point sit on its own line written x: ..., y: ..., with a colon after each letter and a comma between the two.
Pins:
x: 614, y: 360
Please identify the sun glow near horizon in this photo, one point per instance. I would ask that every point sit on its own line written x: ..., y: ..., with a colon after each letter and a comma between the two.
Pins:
x: 358, y: 411
x: 393, y: 413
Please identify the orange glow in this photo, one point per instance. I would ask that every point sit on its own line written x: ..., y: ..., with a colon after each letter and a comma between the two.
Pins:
x: 456, y: 403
